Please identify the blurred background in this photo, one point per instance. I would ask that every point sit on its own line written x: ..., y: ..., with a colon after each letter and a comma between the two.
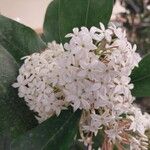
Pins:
x: 28, y: 12
x: 134, y: 17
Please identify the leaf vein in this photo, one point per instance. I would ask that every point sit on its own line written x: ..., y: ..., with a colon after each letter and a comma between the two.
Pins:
x: 59, y: 28
x: 87, y: 12
x: 57, y: 132
x: 141, y: 78
x: 16, y: 47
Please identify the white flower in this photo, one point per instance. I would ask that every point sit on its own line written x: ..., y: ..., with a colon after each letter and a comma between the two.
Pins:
x: 119, y: 33
x: 92, y: 75
x: 134, y: 58
x: 102, y: 99
x: 56, y: 50
x: 105, y: 33
x: 138, y: 121
x: 107, y: 72
x: 100, y: 34
x: 93, y: 127
x: 91, y: 70
x: 81, y: 42
x: 102, y: 119
x: 146, y: 119
x: 75, y: 33
x: 95, y: 33
x: 75, y: 93
x: 114, y: 133
x: 134, y: 144
x: 122, y: 85
x: 35, y: 82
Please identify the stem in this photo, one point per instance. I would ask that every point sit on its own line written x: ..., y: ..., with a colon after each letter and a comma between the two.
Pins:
x: 107, y: 145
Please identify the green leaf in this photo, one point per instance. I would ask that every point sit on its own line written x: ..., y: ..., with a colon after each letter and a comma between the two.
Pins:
x: 57, y: 133
x: 77, y: 146
x: 5, y: 142
x: 63, y: 15
x: 18, y: 39
x: 15, y: 117
x: 98, y: 139
x: 141, y: 78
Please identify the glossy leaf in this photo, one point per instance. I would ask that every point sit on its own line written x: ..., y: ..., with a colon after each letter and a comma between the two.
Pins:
x: 5, y: 142
x: 63, y: 15
x: 15, y: 117
x: 18, y: 39
x: 98, y: 139
x: 57, y: 133
x: 141, y: 78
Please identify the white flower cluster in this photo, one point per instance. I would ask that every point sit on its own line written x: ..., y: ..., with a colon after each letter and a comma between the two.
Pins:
x: 91, y: 74
x: 35, y: 80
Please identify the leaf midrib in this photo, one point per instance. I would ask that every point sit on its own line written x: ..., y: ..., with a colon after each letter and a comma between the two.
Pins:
x: 87, y: 12
x: 141, y: 78
x: 53, y: 137
x: 17, y: 65
x: 59, y: 24
x: 15, y: 46
x: 59, y: 28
